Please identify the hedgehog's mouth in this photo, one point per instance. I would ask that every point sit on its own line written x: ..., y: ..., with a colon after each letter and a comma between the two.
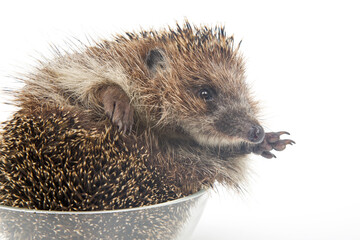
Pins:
x: 217, y: 139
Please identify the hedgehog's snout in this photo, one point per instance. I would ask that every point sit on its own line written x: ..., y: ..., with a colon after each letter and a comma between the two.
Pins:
x: 256, y: 134
x: 240, y: 124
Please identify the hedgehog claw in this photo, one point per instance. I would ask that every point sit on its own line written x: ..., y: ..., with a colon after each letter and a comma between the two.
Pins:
x: 117, y: 107
x: 268, y: 155
x: 272, y: 141
x: 283, y: 132
x: 281, y: 144
x: 275, y: 136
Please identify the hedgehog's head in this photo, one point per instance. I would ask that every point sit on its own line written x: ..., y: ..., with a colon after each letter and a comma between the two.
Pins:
x: 201, y: 84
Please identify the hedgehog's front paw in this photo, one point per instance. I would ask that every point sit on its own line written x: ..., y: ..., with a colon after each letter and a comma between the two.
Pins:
x: 272, y: 141
x: 117, y: 107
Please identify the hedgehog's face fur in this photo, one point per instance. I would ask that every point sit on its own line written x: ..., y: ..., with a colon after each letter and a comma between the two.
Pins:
x: 223, y: 112
x: 202, y: 88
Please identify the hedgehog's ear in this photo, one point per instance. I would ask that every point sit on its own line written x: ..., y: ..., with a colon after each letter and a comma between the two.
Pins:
x: 156, y: 60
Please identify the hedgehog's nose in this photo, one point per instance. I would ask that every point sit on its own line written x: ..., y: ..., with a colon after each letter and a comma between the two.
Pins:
x: 256, y: 134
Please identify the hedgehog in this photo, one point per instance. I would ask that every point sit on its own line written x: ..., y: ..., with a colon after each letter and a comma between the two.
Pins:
x: 141, y: 119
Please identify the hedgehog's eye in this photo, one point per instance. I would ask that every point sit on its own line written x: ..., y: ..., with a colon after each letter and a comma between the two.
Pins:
x: 206, y: 94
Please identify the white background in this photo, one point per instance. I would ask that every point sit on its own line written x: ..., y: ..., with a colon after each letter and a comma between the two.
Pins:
x: 303, y: 60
